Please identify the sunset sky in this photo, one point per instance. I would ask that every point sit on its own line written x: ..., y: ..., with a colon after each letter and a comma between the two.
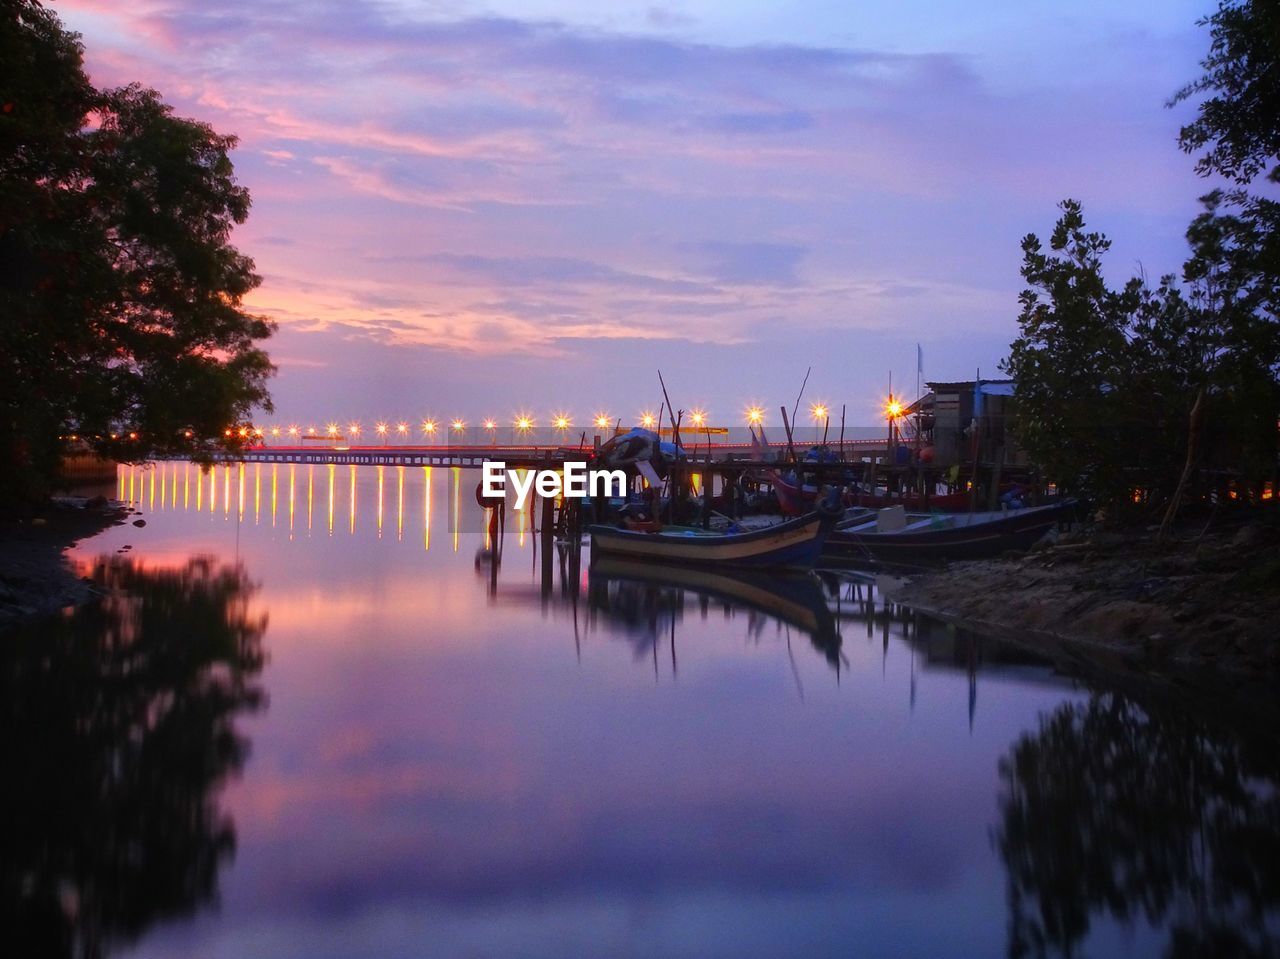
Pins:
x: 478, y: 208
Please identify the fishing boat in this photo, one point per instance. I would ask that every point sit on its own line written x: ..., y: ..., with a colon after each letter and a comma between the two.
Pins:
x: 896, y: 537
x: 794, y: 500
x: 792, y: 544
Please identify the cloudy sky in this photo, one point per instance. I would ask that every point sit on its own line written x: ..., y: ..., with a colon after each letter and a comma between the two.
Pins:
x: 481, y: 208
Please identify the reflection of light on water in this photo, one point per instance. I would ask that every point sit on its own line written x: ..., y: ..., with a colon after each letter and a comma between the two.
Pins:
x: 520, y: 514
x: 353, y: 498
x: 381, y: 471
x: 400, y: 503
x: 426, y: 507
x: 137, y: 484
x: 332, y: 473
x: 457, y: 504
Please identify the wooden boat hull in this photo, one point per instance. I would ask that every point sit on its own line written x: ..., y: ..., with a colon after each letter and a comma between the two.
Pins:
x: 794, y: 544
x: 990, y: 535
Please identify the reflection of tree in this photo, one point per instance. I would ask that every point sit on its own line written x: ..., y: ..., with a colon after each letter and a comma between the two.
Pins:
x: 1111, y: 808
x: 118, y: 730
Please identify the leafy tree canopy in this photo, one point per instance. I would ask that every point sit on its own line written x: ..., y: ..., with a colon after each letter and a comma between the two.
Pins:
x: 121, y: 296
x: 1107, y: 380
x: 1238, y: 121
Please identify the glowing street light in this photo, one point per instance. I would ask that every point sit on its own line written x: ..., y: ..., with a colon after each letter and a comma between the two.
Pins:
x: 755, y: 416
x: 697, y: 417
x: 332, y: 429
x: 382, y: 431
x: 524, y: 424
x: 353, y: 429
x: 560, y: 421
x: 648, y: 420
x: 458, y: 426
x: 402, y: 429
x: 293, y: 431
x: 893, y: 408
x: 603, y: 420
x: 492, y: 427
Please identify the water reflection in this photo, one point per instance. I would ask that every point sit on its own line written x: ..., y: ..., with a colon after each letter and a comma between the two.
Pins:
x: 119, y: 729
x: 646, y: 601
x: 1140, y: 813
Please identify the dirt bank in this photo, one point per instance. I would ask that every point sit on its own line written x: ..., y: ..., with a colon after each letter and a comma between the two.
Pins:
x: 1210, y: 600
x: 35, y: 579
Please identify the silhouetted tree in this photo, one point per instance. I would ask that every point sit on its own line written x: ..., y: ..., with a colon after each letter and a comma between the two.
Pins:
x: 120, y: 293
x: 1239, y: 118
x: 1138, y: 387
x: 116, y: 733
x: 1070, y: 359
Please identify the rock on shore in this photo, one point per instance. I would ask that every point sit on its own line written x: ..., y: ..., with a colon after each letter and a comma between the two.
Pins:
x: 35, y: 579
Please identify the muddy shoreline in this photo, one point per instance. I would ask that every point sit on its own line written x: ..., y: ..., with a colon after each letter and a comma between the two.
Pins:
x: 36, y: 578
x: 1199, y: 611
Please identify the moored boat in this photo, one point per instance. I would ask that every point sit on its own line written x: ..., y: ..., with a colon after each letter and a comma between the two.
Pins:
x: 793, y: 544
x: 897, y: 537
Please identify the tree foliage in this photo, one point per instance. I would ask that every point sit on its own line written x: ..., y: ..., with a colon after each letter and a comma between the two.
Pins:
x: 1107, y: 379
x: 1238, y: 121
x: 120, y: 291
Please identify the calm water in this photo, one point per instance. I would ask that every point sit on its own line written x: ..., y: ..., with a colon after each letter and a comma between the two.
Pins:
x: 305, y: 727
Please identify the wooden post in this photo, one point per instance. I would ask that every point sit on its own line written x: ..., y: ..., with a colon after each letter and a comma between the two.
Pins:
x: 786, y: 425
x: 548, y: 527
x: 993, y: 497
x: 708, y: 481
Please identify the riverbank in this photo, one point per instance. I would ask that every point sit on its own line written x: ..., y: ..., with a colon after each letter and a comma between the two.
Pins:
x: 1209, y: 600
x: 35, y: 578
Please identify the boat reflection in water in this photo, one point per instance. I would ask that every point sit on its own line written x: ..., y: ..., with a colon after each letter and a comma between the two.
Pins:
x: 647, y: 599
x: 119, y: 730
